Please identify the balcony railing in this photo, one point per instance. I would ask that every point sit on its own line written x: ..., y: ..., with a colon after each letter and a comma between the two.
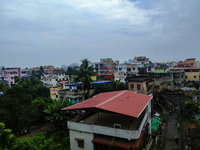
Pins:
x: 121, y: 133
x: 66, y: 92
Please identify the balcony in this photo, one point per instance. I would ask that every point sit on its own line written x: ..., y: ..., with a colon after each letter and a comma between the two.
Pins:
x: 67, y: 92
x: 130, y: 128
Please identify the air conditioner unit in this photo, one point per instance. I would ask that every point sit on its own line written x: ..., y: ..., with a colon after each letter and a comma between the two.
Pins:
x: 118, y: 126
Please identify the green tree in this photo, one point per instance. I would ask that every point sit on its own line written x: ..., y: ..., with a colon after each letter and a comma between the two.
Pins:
x: 16, y: 79
x: 38, y: 105
x: 15, y: 108
x: 6, y: 138
x: 40, y: 72
x: 190, y: 85
x: 3, y: 85
x: 84, y: 73
x: 188, y: 109
x: 69, y: 71
x: 56, y: 115
x: 114, y: 86
x: 34, y: 86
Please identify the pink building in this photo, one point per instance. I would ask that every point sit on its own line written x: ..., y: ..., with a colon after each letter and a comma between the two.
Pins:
x: 9, y: 73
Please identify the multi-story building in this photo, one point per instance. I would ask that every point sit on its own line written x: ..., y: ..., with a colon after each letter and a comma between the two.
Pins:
x: 113, y: 120
x: 106, y: 66
x: 8, y: 74
x: 50, y: 70
x: 73, y: 91
x: 140, y: 60
x: 140, y: 84
x: 171, y: 80
x: 191, y: 73
x: 64, y: 67
x: 53, y: 81
x: 190, y: 62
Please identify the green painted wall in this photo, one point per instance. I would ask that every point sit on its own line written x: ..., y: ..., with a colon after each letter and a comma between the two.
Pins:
x: 159, y: 70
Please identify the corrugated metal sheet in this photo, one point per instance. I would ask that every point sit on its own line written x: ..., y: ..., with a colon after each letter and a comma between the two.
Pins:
x: 122, y: 102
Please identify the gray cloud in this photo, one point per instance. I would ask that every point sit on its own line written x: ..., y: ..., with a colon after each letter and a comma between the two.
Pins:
x: 61, y: 32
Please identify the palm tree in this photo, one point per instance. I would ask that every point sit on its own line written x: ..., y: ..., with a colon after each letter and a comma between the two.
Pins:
x: 56, y: 115
x: 84, y: 73
x: 40, y: 72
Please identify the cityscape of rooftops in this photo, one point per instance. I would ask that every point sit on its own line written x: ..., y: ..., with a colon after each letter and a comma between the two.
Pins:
x: 100, y: 75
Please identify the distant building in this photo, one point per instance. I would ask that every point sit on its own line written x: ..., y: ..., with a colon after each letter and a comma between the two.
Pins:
x: 64, y: 67
x: 8, y: 74
x: 106, y: 66
x: 191, y: 73
x: 140, y: 60
x: 140, y: 84
x: 53, y: 81
x: 172, y: 80
x: 73, y: 91
x: 187, y: 63
x: 74, y: 65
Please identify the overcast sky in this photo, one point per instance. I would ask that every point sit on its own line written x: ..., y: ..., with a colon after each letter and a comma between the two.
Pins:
x: 56, y: 32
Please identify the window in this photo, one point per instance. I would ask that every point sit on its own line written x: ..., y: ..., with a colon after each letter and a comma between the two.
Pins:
x: 186, y: 77
x: 195, y: 76
x: 80, y: 142
x: 138, y: 86
x: 56, y: 96
x: 128, y: 69
x: 191, y: 63
x: 132, y: 86
x: 133, y: 69
x: 56, y: 79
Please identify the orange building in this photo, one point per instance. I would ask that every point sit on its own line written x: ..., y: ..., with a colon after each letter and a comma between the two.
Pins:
x: 187, y: 63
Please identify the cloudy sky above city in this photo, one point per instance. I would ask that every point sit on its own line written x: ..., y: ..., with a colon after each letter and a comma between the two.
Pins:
x: 56, y: 32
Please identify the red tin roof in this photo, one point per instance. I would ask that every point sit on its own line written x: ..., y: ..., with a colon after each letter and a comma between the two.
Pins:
x: 122, y: 102
x: 184, y: 68
x: 63, y: 82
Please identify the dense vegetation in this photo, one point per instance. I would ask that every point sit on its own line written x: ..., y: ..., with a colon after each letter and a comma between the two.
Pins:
x: 28, y: 104
x: 114, y: 86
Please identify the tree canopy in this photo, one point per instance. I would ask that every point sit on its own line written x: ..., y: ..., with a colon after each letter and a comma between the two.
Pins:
x: 114, y: 86
x: 84, y: 73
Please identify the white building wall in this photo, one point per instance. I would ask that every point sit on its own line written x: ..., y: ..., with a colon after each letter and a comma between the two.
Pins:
x: 121, y: 79
x: 88, y: 137
x: 121, y: 68
x: 149, y: 116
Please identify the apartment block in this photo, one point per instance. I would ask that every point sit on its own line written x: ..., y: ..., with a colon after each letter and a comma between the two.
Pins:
x: 114, y: 120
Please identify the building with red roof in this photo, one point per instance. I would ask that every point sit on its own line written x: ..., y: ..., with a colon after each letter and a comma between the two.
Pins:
x: 119, y: 119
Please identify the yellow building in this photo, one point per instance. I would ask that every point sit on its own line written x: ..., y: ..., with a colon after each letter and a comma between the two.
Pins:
x: 192, y: 76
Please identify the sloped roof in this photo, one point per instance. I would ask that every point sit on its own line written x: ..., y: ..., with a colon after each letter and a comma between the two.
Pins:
x: 185, y: 68
x: 122, y: 102
x: 63, y: 82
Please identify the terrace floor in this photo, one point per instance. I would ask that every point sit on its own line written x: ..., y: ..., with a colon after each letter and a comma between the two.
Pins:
x: 109, y: 119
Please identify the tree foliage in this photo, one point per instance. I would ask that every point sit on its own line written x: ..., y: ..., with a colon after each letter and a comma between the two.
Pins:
x: 114, y: 86
x: 56, y: 115
x: 3, y: 85
x: 38, y: 73
x: 21, y: 104
x: 188, y: 109
x: 70, y: 71
x: 84, y: 73
x: 6, y: 138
